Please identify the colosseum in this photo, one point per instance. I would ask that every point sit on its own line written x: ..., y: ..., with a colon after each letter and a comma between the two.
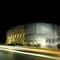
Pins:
x: 34, y: 34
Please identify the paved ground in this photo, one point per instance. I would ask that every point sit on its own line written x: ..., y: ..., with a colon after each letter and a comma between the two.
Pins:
x: 32, y: 52
x: 16, y: 56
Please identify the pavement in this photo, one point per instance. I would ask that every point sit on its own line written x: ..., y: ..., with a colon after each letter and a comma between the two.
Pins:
x: 32, y: 50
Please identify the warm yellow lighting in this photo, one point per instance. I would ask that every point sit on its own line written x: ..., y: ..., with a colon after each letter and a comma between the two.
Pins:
x: 9, y: 41
x: 31, y: 42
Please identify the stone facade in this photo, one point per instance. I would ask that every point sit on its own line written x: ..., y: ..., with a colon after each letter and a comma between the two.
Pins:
x: 34, y: 34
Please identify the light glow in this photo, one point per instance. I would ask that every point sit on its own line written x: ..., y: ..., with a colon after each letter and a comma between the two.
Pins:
x: 41, y: 41
x: 33, y: 54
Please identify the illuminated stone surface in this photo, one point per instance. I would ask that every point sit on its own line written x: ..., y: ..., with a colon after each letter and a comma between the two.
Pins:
x: 34, y: 34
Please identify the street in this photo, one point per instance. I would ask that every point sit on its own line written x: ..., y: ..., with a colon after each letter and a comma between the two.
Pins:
x: 15, y: 56
x: 17, y: 53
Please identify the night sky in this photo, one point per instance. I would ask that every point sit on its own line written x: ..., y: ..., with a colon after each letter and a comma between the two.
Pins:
x: 7, y: 22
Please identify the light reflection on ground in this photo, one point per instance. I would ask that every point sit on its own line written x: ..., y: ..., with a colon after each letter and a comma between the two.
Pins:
x: 7, y: 56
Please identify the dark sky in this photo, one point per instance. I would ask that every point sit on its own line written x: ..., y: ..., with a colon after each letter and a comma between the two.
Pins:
x: 8, y: 22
